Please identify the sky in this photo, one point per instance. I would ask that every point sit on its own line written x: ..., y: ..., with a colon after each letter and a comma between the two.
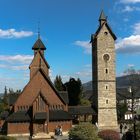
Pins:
x: 65, y: 28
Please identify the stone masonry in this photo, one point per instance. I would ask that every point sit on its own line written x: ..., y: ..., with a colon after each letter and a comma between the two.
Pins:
x: 104, y: 78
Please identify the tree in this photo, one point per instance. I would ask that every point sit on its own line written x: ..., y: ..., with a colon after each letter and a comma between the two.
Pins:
x: 84, y: 131
x: 85, y: 102
x: 138, y: 131
x: 5, y: 98
x: 74, y: 88
x: 58, y: 83
x: 121, y: 110
x: 133, y: 77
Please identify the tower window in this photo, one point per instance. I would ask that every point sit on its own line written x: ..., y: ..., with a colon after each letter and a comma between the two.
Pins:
x: 106, y: 101
x: 106, y: 33
x: 106, y: 71
x: 106, y: 87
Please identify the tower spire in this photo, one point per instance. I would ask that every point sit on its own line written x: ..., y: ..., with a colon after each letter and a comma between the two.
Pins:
x: 102, y: 18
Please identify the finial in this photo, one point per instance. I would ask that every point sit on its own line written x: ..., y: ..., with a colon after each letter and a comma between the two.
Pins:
x: 38, y: 29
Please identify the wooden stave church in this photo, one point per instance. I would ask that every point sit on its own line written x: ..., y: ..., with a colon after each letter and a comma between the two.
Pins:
x: 40, y: 107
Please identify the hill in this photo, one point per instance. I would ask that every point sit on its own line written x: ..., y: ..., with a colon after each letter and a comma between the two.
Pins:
x: 123, y: 81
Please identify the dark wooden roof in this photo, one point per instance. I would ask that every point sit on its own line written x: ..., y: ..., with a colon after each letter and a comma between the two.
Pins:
x: 12, y: 98
x: 18, y: 116
x: 64, y: 96
x: 39, y: 45
x: 41, y: 116
x: 81, y: 110
x: 59, y: 115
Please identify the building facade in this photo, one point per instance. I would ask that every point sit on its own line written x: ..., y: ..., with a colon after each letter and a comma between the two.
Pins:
x: 40, y: 108
x: 104, y: 78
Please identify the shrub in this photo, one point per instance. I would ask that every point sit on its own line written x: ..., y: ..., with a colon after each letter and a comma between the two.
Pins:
x: 109, y: 135
x: 7, y: 138
x: 84, y: 131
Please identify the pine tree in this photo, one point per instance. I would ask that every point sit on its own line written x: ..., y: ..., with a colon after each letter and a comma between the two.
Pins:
x: 74, y: 88
x: 58, y: 83
x: 5, y: 98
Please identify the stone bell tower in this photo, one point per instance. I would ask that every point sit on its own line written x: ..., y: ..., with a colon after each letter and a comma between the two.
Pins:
x: 104, y: 78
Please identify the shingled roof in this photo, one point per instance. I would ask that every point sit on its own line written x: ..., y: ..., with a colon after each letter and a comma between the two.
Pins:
x: 64, y: 96
x: 38, y: 45
x: 59, y: 115
x: 19, y: 116
x: 12, y: 98
x: 41, y: 116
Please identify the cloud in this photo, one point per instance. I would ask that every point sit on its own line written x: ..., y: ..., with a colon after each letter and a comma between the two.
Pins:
x: 131, y: 65
x: 84, y: 44
x: 130, y: 9
x: 129, y: 44
x: 130, y: 1
x: 24, y: 59
x: 15, y: 62
x: 12, y: 33
x: 23, y: 67
x: 136, y: 28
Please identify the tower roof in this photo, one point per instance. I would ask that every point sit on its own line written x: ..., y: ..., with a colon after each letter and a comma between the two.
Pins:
x: 102, y: 16
x: 38, y: 45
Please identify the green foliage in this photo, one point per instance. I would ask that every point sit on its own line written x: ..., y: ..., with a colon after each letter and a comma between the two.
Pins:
x: 138, y: 130
x: 58, y: 83
x: 5, y: 100
x: 4, y: 104
x: 85, y: 102
x: 74, y: 88
x: 84, y: 131
x: 7, y: 138
x: 121, y: 110
x: 109, y: 135
x: 2, y: 108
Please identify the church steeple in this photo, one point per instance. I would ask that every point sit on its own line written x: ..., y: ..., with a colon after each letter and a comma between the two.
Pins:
x: 102, y: 18
x: 39, y: 46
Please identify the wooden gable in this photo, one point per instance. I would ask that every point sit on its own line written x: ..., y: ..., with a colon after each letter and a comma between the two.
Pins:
x: 38, y: 62
x: 39, y: 83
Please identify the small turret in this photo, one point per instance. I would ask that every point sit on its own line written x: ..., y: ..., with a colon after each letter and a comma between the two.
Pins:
x: 102, y: 18
x: 38, y: 46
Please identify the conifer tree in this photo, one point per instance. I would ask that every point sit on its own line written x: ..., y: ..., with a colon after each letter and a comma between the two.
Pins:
x: 58, y: 83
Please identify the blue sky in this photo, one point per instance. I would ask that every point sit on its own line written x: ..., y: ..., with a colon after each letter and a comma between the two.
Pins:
x: 65, y: 26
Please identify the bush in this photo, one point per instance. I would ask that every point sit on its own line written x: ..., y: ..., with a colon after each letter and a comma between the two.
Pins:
x: 7, y: 138
x: 84, y: 131
x: 109, y: 135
